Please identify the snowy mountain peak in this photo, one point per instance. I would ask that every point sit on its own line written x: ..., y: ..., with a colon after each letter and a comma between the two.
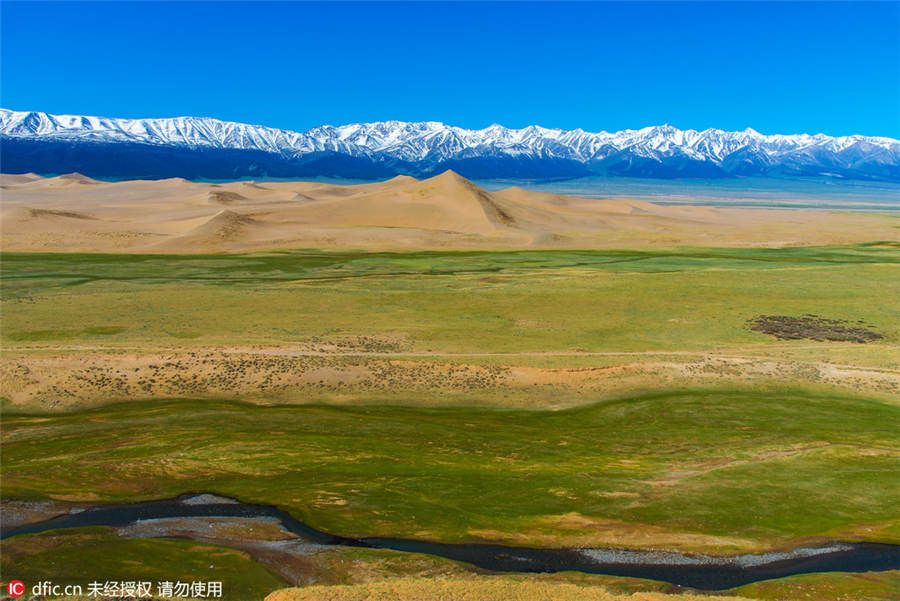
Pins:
x: 495, y: 151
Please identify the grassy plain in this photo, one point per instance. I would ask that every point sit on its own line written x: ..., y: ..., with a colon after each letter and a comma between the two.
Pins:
x: 603, y: 398
x: 85, y: 555
x: 526, y: 301
x: 724, y: 471
x: 882, y: 586
x: 379, y: 327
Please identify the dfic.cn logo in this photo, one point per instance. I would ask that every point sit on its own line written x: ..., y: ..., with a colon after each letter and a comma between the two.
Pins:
x: 16, y: 588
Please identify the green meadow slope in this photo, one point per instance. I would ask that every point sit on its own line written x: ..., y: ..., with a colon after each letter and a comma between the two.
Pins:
x: 725, y: 471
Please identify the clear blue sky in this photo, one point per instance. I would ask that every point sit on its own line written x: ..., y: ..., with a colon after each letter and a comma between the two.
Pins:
x: 777, y: 67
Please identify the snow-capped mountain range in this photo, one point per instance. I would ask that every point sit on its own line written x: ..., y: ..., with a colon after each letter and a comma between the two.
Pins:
x: 208, y: 148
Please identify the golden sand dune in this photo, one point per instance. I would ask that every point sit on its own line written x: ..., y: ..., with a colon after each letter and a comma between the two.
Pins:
x: 75, y: 213
x: 17, y: 179
x: 223, y: 197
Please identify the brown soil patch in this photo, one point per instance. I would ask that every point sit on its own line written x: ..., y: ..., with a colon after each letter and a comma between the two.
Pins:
x: 813, y: 327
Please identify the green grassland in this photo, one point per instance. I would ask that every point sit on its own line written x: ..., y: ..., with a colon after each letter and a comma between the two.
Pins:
x: 872, y: 586
x: 74, y: 268
x: 698, y: 465
x: 527, y: 301
x: 84, y: 555
x: 756, y: 469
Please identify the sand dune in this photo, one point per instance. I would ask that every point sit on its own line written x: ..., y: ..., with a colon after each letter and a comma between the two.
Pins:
x: 75, y: 213
x: 17, y: 179
x: 223, y: 197
x: 68, y: 179
x: 222, y: 229
x: 225, y: 224
x: 446, y: 203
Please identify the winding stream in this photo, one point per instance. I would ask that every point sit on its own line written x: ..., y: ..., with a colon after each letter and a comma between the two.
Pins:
x: 695, y: 571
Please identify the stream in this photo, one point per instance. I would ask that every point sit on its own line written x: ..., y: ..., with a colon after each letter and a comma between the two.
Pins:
x: 703, y: 572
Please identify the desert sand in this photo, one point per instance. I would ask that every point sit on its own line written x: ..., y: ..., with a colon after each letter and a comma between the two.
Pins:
x: 73, y: 213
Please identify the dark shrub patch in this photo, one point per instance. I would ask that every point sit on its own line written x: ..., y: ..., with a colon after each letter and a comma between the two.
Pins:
x: 813, y: 327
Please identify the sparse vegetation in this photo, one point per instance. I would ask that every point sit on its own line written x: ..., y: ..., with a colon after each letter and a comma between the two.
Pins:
x: 493, y: 588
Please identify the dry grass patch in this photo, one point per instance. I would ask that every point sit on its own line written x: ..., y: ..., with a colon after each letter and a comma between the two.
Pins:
x: 484, y: 588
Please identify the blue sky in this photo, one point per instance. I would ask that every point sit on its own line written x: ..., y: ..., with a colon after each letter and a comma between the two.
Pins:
x: 777, y: 67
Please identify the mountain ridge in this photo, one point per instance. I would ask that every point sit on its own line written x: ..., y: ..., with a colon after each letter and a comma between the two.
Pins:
x: 204, y: 147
